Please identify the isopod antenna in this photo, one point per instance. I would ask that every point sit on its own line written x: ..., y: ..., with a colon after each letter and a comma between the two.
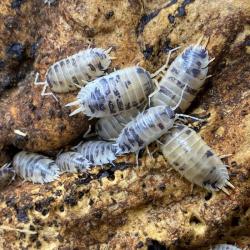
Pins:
x: 45, y: 83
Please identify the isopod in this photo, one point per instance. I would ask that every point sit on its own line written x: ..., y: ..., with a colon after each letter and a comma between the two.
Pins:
x: 194, y: 159
x: 35, y: 167
x: 109, y: 128
x: 7, y: 175
x: 72, y: 162
x: 97, y: 152
x: 189, y: 68
x: 225, y: 247
x: 147, y: 127
x: 74, y: 71
x: 115, y: 93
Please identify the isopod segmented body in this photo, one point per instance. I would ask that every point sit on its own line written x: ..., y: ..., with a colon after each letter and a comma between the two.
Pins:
x: 188, y: 69
x: 194, y: 159
x: 97, y: 152
x: 225, y: 247
x: 35, y: 167
x: 115, y: 93
x: 7, y: 175
x: 72, y: 162
x: 109, y: 128
x: 147, y: 127
x: 86, y: 65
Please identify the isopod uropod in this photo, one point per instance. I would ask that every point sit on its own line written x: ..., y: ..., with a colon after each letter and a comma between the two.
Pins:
x: 7, y: 175
x: 35, y: 167
x: 194, y: 159
x: 225, y: 247
x: 72, y: 162
x: 115, y: 93
x: 74, y: 71
x: 97, y: 152
x: 109, y: 128
x: 188, y: 69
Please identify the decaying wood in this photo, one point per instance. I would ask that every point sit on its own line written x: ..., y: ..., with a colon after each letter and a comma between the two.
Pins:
x: 126, y: 207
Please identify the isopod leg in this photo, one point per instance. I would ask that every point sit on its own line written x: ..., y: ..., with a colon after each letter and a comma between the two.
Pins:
x: 225, y: 156
x: 36, y: 82
x: 46, y: 94
x: 155, y: 91
x: 165, y: 66
x: 137, y: 158
x: 150, y: 155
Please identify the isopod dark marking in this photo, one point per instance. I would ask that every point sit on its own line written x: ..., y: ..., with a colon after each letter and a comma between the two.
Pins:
x: 35, y: 167
x: 115, y: 93
x: 194, y: 159
x: 72, y: 162
x: 74, y: 71
x: 109, y: 128
x: 189, y: 68
x: 225, y: 247
x: 97, y: 152
x: 7, y: 175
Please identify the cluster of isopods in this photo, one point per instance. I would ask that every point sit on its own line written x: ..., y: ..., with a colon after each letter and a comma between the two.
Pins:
x: 135, y: 108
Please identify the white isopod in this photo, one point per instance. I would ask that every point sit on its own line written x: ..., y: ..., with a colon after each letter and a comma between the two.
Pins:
x: 35, y: 167
x: 194, y: 159
x: 7, y: 175
x: 109, y: 128
x: 72, y: 162
x: 189, y: 68
x: 225, y: 247
x: 115, y: 93
x: 74, y: 71
x: 97, y: 152
x: 147, y: 127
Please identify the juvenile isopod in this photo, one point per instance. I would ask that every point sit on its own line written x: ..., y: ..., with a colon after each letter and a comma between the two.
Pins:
x: 35, y: 167
x: 194, y: 159
x: 188, y: 69
x: 225, y: 247
x: 74, y: 71
x: 109, y: 128
x: 7, y: 175
x: 72, y: 162
x: 97, y: 152
x: 115, y: 93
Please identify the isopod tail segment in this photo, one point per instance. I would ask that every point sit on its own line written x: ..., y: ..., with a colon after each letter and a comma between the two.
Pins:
x: 46, y: 84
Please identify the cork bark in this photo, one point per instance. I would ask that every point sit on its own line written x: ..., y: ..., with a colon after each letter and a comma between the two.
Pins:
x: 123, y: 207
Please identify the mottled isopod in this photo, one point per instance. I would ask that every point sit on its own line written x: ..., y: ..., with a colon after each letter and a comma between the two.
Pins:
x: 188, y: 69
x: 147, y: 127
x: 109, y: 128
x: 74, y: 71
x: 7, y: 175
x: 35, y: 167
x: 72, y: 162
x: 225, y: 247
x: 115, y: 93
x: 97, y: 152
x: 194, y: 159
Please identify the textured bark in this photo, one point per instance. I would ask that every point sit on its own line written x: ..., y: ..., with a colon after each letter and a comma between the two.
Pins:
x: 128, y: 207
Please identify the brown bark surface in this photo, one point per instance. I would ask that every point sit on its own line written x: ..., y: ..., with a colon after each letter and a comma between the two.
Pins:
x: 126, y: 207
